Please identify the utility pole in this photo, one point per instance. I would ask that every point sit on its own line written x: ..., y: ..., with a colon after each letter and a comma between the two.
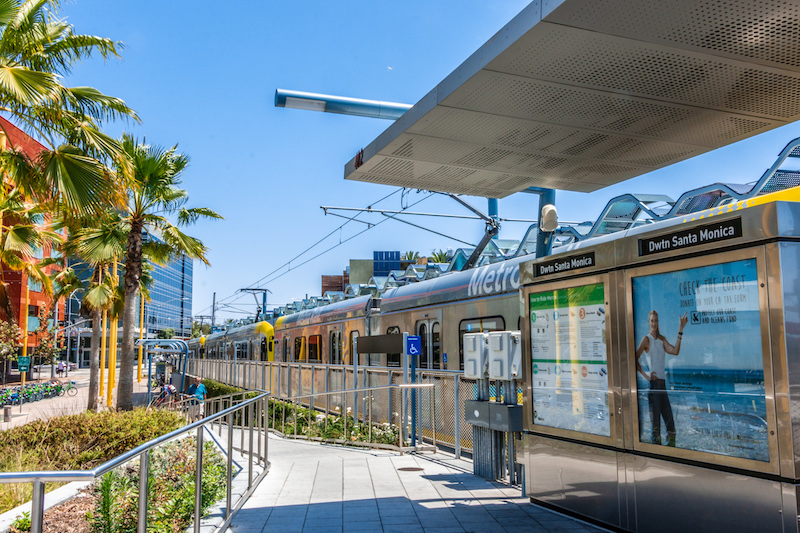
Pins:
x: 213, y: 312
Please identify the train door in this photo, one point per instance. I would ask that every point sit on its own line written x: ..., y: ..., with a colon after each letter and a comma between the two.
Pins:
x: 429, y: 332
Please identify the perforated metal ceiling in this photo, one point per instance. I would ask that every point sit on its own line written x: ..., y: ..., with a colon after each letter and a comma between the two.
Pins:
x: 581, y: 94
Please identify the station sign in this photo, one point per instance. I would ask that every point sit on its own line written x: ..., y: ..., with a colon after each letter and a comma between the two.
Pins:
x: 24, y: 363
x: 564, y: 264
x: 708, y: 233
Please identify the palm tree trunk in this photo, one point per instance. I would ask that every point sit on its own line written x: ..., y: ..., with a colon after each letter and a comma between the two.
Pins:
x: 133, y: 272
x: 94, y: 361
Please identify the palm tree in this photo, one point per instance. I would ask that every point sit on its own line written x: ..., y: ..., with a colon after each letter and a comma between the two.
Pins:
x: 69, y: 176
x: 440, y: 256
x: 36, y: 50
x: 153, y: 194
x: 100, y: 242
x: 23, y: 230
x: 409, y: 256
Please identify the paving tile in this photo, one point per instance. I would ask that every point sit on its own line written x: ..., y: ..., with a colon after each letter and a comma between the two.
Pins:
x: 400, y: 519
x: 367, y: 526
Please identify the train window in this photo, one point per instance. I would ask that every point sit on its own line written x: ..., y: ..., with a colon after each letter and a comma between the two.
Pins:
x: 393, y: 359
x: 264, y: 352
x: 422, y: 331
x: 335, y: 351
x: 315, y: 348
x: 299, y: 353
x: 476, y: 325
x: 241, y: 350
x: 437, y: 345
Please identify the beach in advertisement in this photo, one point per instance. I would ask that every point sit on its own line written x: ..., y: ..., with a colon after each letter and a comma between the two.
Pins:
x: 569, y: 359
x: 700, y: 375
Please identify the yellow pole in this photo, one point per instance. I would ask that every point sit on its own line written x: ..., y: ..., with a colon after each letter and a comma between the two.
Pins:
x: 103, y: 346
x: 112, y: 353
x: 112, y: 360
x: 141, y: 332
x: 25, y: 328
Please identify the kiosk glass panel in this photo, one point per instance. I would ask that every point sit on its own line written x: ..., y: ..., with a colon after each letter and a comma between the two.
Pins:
x: 699, y: 360
x: 569, y: 360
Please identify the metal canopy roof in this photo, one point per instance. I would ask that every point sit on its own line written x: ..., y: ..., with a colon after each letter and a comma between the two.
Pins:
x: 581, y: 94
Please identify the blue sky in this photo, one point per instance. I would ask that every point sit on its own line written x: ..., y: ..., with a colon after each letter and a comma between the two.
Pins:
x: 203, y: 76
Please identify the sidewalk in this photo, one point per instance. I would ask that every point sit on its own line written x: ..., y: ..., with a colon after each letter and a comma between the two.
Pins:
x: 325, y: 488
x: 67, y: 405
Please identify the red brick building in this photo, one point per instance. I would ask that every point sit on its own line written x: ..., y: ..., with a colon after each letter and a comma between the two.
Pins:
x: 16, y: 281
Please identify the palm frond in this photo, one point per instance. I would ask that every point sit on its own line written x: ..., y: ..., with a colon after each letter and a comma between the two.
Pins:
x: 187, y: 217
x: 25, y: 86
x: 82, y: 183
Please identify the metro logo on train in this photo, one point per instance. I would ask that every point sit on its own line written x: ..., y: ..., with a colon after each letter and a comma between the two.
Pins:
x: 496, y: 278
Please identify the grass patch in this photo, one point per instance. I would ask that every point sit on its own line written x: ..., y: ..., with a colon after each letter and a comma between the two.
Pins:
x: 75, y: 442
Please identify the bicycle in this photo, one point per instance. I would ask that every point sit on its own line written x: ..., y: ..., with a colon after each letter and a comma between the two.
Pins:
x: 69, y: 389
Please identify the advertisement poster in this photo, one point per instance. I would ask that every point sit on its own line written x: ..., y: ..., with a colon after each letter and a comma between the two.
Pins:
x: 699, y: 366
x: 569, y: 359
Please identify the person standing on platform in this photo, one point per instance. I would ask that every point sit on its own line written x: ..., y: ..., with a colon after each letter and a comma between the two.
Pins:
x: 198, y: 390
x: 657, y: 346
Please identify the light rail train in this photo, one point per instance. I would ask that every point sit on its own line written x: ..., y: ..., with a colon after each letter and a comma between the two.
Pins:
x: 439, y: 310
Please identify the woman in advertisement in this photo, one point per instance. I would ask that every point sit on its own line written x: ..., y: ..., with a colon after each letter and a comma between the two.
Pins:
x: 656, y: 346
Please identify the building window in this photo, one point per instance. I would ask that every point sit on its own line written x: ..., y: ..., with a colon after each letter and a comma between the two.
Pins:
x: 34, y: 285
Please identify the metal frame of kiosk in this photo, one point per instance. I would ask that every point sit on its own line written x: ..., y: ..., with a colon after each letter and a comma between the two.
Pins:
x: 734, y: 389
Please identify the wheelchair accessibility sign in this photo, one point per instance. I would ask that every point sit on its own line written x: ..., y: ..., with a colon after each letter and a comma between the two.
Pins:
x: 413, y: 345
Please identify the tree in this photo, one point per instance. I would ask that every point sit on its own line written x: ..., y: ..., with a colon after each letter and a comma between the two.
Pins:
x: 46, y: 350
x: 99, y: 242
x: 440, y: 256
x: 409, y: 256
x: 69, y: 176
x: 199, y: 329
x: 165, y: 333
x: 10, y: 339
x: 37, y: 50
x: 153, y: 194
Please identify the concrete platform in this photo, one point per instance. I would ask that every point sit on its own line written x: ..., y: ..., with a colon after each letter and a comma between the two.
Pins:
x: 320, y: 488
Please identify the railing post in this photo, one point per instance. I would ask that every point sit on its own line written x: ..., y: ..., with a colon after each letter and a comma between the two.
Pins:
x: 229, y: 469
x: 266, y: 434
x: 250, y: 411
x: 198, y: 480
x: 144, y: 477
x: 37, y: 506
x: 457, y: 407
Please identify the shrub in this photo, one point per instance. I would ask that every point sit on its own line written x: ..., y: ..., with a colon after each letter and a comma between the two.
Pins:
x: 170, y: 490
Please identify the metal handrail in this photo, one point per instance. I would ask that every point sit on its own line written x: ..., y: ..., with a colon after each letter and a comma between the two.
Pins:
x: 403, y: 387
x: 39, y: 478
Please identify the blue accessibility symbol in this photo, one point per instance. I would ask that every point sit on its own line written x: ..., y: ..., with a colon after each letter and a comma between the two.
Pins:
x: 413, y: 345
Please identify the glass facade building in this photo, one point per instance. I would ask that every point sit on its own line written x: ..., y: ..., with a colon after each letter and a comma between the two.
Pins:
x: 170, y: 304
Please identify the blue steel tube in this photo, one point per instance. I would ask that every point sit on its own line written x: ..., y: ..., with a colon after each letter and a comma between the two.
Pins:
x: 341, y: 105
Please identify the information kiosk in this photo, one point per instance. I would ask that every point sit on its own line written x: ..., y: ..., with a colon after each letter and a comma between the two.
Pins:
x: 662, y: 374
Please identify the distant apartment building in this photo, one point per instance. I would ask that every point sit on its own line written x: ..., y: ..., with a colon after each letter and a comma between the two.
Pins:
x: 334, y: 283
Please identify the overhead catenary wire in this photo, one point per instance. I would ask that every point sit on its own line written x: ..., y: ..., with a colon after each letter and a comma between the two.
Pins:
x: 288, y: 264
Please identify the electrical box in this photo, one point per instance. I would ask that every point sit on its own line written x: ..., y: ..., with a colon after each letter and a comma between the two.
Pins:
x: 505, y: 355
x: 475, y: 361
